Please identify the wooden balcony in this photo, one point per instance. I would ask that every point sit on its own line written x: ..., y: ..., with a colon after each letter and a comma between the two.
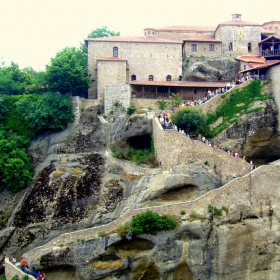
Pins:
x: 269, y: 53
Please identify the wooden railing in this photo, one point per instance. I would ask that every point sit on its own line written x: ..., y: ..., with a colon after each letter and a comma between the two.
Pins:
x: 152, y: 95
x: 268, y: 52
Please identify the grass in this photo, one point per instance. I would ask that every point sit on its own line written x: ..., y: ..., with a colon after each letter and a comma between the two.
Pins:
x: 236, y: 103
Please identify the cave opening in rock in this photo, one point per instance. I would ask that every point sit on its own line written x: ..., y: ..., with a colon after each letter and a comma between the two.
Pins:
x: 63, y: 272
x: 140, y: 142
x: 181, y: 193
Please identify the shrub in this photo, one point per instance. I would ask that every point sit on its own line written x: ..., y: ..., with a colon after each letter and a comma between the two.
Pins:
x: 161, y: 104
x: 25, y: 277
x: 15, y: 277
x: 206, y: 163
x: 151, y: 222
x: 193, y: 214
x: 183, y: 212
x: 102, y: 234
x: 130, y: 110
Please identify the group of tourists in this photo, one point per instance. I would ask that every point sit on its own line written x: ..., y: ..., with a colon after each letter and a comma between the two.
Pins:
x: 38, y: 274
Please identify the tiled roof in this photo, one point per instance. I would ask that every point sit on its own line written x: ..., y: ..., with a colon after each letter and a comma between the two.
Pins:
x: 179, y: 84
x: 268, y: 63
x: 132, y: 39
x: 251, y: 58
x: 202, y: 40
x: 239, y: 22
x: 187, y: 28
x: 268, y: 38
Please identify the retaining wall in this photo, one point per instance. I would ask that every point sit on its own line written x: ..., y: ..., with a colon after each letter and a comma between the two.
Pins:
x: 11, y: 270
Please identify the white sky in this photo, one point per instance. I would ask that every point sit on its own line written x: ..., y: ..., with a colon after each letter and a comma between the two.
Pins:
x: 33, y: 31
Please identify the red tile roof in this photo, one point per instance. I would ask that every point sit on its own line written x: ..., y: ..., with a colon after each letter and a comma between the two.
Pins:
x: 179, y: 84
x: 184, y: 28
x: 202, y: 40
x: 239, y: 22
x: 268, y: 63
x: 132, y: 39
x: 268, y: 38
x: 251, y: 58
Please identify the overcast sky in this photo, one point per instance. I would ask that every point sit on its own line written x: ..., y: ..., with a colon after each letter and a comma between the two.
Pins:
x: 33, y: 31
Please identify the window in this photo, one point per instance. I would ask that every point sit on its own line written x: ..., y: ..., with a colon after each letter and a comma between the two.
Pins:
x: 230, y: 47
x: 115, y: 52
x: 194, y: 48
x: 133, y: 78
x: 168, y: 78
x: 211, y: 47
x: 249, y: 47
x: 244, y: 67
x: 151, y: 78
x: 194, y: 91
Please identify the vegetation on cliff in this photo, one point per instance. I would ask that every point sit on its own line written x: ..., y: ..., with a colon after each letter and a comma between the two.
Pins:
x: 22, y: 117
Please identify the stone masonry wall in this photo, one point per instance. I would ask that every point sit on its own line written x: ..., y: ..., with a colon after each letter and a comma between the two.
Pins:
x: 173, y: 148
x: 230, y: 33
x: 202, y: 48
x: 273, y: 74
x: 259, y: 188
x: 181, y: 35
x: 144, y: 59
x: 119, y: 93
x: 109, y: 73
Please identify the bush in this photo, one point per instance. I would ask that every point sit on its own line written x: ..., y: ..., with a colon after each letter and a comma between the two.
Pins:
x: 130, y: 110
x: 102, y: 234
x: 161, y: 104
x: 151, y: 222
x: 183, y: 212
x: 25, y: 277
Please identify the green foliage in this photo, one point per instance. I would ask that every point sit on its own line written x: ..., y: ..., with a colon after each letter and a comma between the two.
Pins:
x: 13, y: 80
x: 162, y: 104
x: 183, y: 212
x: 254, y: 110
x: 206, y: 163
x: 25, y: 277
x: 216, y: 211
x: 67, y: 72
x: 235, y: 103
x: 102, y: 234
x: 123, y: 230
x: 130, y: 110
x: 15, y: 277
x: 3, y: 277
x: 193, y: 214
x: 190, y: 119
x: 176, y: 99
x: 49, y: 112
x: 151, y: 223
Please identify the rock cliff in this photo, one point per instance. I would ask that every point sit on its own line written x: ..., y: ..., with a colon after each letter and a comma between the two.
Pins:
x: 78, y: 185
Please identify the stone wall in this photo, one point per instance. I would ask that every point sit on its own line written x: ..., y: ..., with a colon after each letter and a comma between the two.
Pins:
x: 109, y: 73
x: 173, y: 148
x: 273, y: 74
x: 203, y: 48
x: 119, y: 93
x: 239, y: 36
x: 144, y: 59
x: 12, y: 270
x: 181, y: 35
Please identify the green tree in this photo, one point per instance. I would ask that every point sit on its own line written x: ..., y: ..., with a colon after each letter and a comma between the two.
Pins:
x: 176, y: 99
x: 13, y: 80
x: 67, y: 72
x: 190, y: 119
x: 48, y: 112
x: 98, y: 33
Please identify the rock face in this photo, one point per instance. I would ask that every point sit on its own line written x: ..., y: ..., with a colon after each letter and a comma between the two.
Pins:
x: 255, y: 135
x: 214, y: 68
x: 79, y: 186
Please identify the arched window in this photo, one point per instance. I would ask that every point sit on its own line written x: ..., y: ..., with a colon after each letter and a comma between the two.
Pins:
x: 133, y: 78
x: 115, y: 52
x: 151, y: 78
x: 180, y: 78
x: 249, y: 47
x: 168, y: 78
x: 230, y: 47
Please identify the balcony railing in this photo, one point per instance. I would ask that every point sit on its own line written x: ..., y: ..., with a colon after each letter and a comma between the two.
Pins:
x: 151, y: 95
x: 268, y: 52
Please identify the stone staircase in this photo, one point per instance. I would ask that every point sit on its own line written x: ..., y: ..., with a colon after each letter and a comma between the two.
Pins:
x: 251, y: 188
